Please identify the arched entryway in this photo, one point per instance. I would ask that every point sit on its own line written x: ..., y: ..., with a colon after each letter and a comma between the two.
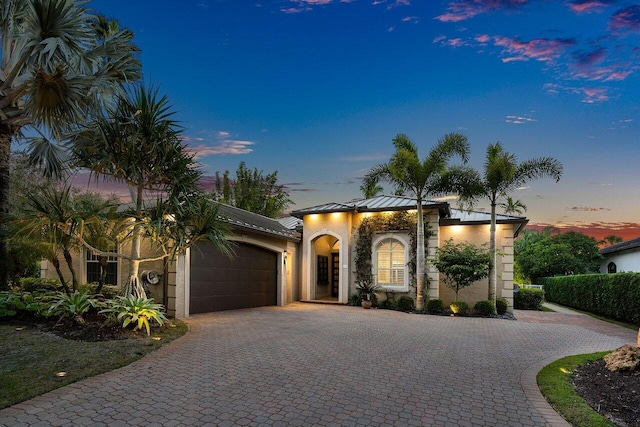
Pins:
x: 325, y: 268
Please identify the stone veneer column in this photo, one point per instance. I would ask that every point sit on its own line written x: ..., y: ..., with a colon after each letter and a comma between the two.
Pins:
x: 506, y: 291
x: 431, y: 218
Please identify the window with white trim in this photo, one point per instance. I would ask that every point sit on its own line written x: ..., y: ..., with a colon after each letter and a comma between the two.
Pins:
x: 391, y: 264
x: 94, y: 269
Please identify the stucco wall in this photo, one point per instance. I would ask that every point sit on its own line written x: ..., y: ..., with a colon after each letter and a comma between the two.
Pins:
x: 626, y: 262
x: 79, y: 264
x: 478, y: 235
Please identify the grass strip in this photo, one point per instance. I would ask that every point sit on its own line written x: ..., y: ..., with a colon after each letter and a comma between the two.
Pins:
x: 34, y: 362
x: 555, y: 384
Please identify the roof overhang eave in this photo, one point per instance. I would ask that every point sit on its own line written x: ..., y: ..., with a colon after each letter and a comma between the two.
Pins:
x: 521, y: 223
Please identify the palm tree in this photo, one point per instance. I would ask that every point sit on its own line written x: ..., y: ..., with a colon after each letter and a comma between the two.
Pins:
x: 611, y: 240
x: 502, y: 175
x: 423, y: 178
x: 139, y: 144
x: 370, y: 189
x: 512, y: 206
x: 50, y: 217
x: 54, y: 70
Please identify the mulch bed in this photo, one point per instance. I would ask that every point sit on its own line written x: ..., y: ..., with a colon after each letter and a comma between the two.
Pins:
x: 615, y: 395
x: 95, y: 328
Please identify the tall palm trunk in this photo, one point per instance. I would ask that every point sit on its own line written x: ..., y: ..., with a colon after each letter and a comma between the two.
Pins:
x: 420, y: 258
x: 6, y: 133
x: 493, y: 254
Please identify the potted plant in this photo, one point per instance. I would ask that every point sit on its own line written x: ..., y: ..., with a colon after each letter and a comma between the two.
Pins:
x: 367, y: 291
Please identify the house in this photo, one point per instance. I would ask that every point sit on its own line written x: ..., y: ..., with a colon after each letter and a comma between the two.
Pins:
x: 621, y: 257
x: 330, y: 249
x: 314, y: 255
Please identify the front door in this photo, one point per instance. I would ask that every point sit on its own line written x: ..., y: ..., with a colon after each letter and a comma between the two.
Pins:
x: 335, y: 275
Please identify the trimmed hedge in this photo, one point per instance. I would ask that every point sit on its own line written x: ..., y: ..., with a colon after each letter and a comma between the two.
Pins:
x: 528, y: 299
x: 615, y: 296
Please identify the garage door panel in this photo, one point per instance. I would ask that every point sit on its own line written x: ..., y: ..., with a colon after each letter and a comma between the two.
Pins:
x: 218, y: 283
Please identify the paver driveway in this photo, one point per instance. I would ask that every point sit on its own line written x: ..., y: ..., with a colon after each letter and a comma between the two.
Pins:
x: 307, y: 364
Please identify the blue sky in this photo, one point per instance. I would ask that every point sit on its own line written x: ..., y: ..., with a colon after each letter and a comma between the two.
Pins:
x: 317, y: 89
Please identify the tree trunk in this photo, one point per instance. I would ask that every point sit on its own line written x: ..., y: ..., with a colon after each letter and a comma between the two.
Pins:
x: 133, y: 286
x: 420, y: 259
x: 56, y: 264
x: 493, y: 271
x: 69, y: 260
x: 6, y: 133
x: 103, y: 262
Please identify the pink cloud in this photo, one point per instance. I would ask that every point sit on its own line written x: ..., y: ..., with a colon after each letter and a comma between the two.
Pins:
x: 467, y: 9
x: 439, y: 38
x: 588, y: 6
x: 589, y: 95
x: 305, y: 5
x: 455, y: 42
x: 230, y: 146
x: 539, y: 49
x: 590, y: 66
x: 626, y: 19
x: 593, y: 95
x: 483, y: 38
x: 410, y: 19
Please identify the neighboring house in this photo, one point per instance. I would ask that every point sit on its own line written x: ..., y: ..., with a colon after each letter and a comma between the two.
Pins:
x: 621, y: 257
x: 311, y: 256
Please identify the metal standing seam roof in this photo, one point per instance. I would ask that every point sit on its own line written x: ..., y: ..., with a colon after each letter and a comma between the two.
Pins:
x: 622, y: 246
x: 290, y: 222
x: 239, y: 218
x: 374, y: 204
x: 396, y: 203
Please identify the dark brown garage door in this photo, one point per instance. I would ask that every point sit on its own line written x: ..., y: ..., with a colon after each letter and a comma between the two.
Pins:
x: 218, y: 283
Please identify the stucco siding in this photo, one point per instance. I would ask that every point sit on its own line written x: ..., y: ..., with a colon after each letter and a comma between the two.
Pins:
x: 479, y: 235
x: 625, y: 261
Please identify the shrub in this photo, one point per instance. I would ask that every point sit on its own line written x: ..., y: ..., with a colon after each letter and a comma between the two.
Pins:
x: 434, y: 306
x: 615, y: 296
x: 406, y: 303
x: 136, y: 311
x: 107, y: 291
x: 8, y: 302
x: 354, y: 300
x: 528, y: 299
x: 459, y: 307
x: 484, y: 308
x: 73, y: 305
x: 31, y: 284
x: 501, y: 306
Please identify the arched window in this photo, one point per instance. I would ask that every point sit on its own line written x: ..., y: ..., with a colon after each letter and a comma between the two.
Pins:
x: 612, y: 268
x: 391, y: 264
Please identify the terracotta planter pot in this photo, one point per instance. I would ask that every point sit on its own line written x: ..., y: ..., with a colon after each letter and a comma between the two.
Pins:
x: 366, y: 303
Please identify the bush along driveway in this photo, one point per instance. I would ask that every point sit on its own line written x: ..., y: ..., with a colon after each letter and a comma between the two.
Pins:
x: 307, y: 364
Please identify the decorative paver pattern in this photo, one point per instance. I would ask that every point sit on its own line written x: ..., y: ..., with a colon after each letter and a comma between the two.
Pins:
x: 325, y: 365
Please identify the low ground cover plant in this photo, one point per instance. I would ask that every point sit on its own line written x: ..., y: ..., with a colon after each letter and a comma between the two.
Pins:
x: 135, y: 311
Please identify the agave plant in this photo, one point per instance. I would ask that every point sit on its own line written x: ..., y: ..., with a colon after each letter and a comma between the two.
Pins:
x: 137, y: 311
x: 74, y: 305
x: 367, y: 289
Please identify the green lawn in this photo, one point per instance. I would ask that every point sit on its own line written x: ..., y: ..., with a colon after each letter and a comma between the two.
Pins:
x: 33, y: 362
x: 554, y: 381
